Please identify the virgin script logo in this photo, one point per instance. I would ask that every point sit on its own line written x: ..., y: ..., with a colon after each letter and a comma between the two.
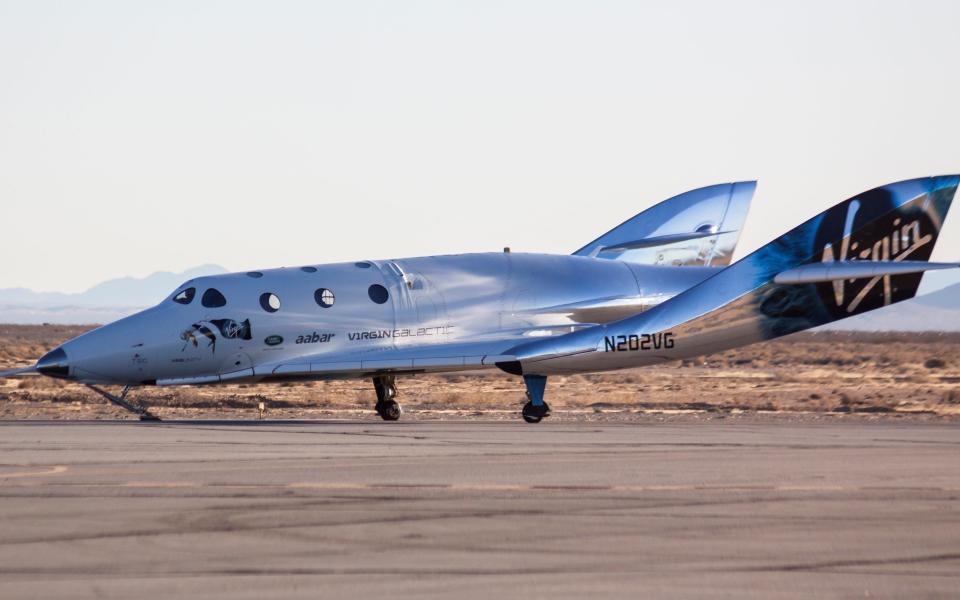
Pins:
x: 903, y: 240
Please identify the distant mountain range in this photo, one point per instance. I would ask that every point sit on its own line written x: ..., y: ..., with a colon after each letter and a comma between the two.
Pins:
x: 936, y: 311
x: 102, y: 303
x: 116, y: 298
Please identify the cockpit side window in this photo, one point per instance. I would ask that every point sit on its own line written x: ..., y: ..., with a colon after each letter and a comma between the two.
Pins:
x: 212, y: 298
x: 185, y: 296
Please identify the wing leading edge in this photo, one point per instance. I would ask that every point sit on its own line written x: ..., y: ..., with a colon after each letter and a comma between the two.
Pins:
x: 410, y: 359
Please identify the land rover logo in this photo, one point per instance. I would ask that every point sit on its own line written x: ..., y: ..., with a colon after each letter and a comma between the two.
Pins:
x: 273, y: 340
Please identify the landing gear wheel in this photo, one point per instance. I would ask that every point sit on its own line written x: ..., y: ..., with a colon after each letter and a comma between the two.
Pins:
x: 386, y: 389
x: 535, y: 409
x: 389, y: 410
x: 534, y: 413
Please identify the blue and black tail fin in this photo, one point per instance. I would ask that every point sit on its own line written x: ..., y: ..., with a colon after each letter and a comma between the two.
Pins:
x: 864, y: 253
x: 697, y: 228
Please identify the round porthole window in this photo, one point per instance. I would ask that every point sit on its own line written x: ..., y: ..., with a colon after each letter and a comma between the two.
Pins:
x: 269, y: 302
x: 308, y: 269
x: 378, y: 293
x: 254, y: 274
x: 324, y: 297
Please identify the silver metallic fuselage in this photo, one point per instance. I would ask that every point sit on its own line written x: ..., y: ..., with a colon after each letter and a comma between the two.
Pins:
x: 433, y: 301
x: 532, y: 314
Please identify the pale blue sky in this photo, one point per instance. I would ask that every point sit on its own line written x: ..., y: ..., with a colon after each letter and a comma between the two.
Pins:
x: 137, y: 137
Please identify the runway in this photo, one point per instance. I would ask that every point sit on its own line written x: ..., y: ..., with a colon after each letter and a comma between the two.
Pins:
x: 718, y: 508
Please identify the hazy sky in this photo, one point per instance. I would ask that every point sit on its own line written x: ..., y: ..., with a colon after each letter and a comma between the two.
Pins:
x: 137, y: 137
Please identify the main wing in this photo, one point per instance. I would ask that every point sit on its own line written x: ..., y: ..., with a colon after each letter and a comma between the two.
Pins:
x: 362, y: 363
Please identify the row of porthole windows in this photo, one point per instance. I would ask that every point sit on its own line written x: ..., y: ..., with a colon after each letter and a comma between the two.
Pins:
x: 259, y: 274
x: 270, y: 302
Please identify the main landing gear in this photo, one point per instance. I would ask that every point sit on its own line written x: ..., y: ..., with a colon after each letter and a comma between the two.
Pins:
x: 535, y: 409
x: 386, y: 407
x: 122, y: 402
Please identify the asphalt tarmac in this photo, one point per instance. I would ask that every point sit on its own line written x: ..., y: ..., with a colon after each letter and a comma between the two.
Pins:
x: 842, y: 508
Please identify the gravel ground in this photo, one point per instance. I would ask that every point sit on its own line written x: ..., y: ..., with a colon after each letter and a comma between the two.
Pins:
x: 833, y: 373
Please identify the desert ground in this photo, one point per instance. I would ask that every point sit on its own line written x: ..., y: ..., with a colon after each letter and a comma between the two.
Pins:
x: 845, y: 507
x: 826, y: 373
x: 821, y: 465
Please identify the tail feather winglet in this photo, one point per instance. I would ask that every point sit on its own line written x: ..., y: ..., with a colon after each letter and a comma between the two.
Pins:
x: 895, y: 222
x: 697, y: 228
x: 880, y: 241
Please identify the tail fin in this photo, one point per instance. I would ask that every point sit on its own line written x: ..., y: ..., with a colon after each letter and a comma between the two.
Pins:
x: 765, y: 295
x: 697, y: 228
x: 878, y: 242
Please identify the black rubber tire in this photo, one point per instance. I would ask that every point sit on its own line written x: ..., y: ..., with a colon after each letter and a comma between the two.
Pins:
x: 535, y: 414
x: 389, y: 410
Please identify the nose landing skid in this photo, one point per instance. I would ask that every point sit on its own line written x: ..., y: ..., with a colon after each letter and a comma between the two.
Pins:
x: 121, y: 401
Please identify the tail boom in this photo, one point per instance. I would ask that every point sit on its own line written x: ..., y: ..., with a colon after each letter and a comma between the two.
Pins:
x: 878, y: 243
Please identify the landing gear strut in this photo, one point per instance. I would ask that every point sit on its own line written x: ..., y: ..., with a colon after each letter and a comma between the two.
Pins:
x: 535, y: 409
x: 386, y: 407
x: 121, y: 401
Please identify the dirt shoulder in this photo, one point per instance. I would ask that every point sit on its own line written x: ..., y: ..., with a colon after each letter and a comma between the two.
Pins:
x: 915, y: 375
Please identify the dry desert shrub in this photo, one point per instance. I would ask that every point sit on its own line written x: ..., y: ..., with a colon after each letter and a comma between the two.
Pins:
x: 788, y: 374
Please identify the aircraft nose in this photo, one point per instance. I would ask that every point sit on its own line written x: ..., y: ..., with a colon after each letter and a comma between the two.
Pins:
x: 54, y: 364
